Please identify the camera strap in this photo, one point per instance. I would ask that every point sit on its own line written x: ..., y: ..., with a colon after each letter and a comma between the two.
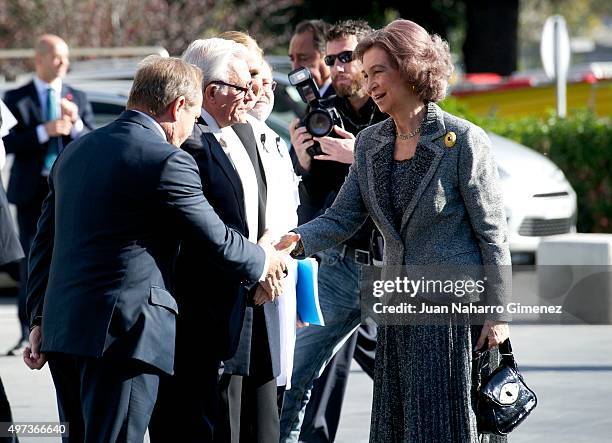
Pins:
x: 358, y: 126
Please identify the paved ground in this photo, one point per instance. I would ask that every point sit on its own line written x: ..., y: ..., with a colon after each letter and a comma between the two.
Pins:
x: 569, y: 367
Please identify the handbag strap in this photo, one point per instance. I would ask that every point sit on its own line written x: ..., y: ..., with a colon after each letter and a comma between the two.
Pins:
x: 505, y: 350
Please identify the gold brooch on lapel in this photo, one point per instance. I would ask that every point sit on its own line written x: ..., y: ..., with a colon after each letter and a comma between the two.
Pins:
x: 449, y: 139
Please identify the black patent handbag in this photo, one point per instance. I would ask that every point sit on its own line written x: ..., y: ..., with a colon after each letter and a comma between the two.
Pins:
x: 503, y: 400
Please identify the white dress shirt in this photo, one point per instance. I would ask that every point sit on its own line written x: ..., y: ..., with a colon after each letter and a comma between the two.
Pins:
x: 240, y: 160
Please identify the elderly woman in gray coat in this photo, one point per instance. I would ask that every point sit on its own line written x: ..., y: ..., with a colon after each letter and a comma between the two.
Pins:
x: 428, y: 180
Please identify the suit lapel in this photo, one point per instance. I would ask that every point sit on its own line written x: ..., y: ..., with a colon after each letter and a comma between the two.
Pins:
x: 30, y: 105
x: 244, y: 131
x: 378, y: 167
x: 225, y: 165
x: 433, y: 128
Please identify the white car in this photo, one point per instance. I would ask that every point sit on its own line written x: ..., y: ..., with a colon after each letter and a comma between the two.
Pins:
x: 539, y: 200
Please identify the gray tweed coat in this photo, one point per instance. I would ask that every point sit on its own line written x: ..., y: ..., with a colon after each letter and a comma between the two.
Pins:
x: 456, y: 216
x: 423, y: 376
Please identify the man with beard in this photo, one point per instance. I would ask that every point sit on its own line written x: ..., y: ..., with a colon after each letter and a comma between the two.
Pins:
x: 322, y: 177
x: 281, y: 216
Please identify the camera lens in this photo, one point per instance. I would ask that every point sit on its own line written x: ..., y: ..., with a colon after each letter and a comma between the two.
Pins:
x: 319, y: 123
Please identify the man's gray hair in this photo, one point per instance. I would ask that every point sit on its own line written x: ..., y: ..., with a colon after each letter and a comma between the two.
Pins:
x: 214, y: 56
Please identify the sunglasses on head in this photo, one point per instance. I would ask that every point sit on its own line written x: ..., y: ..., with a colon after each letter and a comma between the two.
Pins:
x: 344, y: 57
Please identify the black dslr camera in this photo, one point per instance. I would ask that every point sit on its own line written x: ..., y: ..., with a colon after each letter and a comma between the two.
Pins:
x: 321, y: 115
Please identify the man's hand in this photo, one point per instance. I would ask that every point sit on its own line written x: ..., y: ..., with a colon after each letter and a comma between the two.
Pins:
x: 59, y: 127
x: 301, y: 141
x: 261, y: 296
x: 337, y: 149
x: 299, y: 323
x: 268, y: 290
x: 277, y: 268
x: 272, y: 286
x: 32, y: 356
x: 69, y: 110
x: 495, y: 331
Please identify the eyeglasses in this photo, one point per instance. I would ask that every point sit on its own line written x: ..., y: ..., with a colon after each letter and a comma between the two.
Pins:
x: 271, y: 86
x: 241, y: 89
x: 344, y: 57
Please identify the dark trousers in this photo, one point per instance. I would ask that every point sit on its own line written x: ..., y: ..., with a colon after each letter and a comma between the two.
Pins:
x: 249, y: 411
x: 105, y: 400
x: 27, y: 219
x: 5, y: 414
x: 322, y: 414
x: 189, y: 399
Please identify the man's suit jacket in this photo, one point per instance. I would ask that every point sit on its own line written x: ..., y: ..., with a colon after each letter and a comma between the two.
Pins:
x: 222, y: 313
x: 23, y: 141
x: 101, y: 266
x: 455, y: 217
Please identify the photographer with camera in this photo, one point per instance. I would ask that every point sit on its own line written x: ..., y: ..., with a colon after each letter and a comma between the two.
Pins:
x: 323, y: 143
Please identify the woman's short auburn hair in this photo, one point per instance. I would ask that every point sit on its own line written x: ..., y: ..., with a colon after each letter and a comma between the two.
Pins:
x: 423, y: 60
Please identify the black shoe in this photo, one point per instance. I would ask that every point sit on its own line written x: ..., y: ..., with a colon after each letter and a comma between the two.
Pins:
x: 18, y: 348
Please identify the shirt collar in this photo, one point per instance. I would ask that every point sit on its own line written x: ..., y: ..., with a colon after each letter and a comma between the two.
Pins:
x: 210, y: 121
x: 325, y: 86
x: 42, y: 86
x: 157, y: 125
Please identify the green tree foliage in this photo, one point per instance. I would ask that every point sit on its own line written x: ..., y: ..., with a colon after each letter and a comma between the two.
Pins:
x: 581, y: 145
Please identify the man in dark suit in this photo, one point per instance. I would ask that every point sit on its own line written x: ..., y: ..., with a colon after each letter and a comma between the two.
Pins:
x: 244, y: 335
x: 101, y: 264
x: 50, y: 114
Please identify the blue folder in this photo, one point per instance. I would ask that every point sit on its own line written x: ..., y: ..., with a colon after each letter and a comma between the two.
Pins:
x: 307, y: 292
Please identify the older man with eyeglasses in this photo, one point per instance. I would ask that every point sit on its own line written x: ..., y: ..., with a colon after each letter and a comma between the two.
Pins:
x: 217, y: 310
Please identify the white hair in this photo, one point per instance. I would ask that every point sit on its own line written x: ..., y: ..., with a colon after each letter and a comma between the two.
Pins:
x: 214, y: 56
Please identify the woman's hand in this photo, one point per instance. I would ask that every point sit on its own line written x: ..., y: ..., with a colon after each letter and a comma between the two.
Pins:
x: 495, y: 331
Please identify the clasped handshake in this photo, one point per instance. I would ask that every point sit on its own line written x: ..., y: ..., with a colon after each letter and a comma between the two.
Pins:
x: 277, y: 252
